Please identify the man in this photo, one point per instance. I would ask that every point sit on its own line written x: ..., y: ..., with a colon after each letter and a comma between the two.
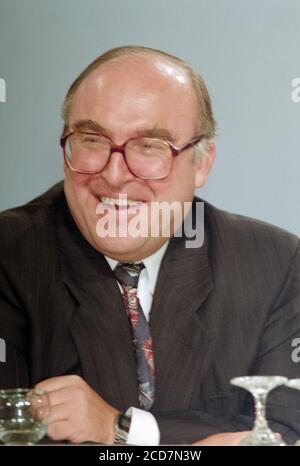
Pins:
x: 139, y: 133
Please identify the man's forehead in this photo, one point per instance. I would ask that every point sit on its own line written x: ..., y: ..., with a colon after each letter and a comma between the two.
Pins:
x: 149, y: 69
x: 136, y: 92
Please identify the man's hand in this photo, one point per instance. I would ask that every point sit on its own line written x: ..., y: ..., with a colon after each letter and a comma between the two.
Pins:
x: 225, y: 439
x: 78, y: 413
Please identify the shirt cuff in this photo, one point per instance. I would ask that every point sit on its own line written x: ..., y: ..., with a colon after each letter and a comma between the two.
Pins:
x: 143, y: 428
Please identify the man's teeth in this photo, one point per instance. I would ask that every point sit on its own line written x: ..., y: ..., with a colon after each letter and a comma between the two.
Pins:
x: 118, y: 201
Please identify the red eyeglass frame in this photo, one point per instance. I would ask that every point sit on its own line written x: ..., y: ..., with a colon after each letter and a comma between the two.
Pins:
x: 175, y: 151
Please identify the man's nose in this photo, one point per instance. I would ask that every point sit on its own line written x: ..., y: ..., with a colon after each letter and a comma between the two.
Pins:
x: 116, y: 170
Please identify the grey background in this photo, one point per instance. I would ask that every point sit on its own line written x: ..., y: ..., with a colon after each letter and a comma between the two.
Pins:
x: 246, y: 50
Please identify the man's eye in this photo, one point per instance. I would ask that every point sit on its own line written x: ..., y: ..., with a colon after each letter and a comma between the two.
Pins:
x: 90, y: 139
x: 151, y: 145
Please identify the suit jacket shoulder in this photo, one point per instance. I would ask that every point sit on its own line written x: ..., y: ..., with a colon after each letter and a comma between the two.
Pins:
x: 19, y: 221
x: 28, y: 252
x: 250, y: 240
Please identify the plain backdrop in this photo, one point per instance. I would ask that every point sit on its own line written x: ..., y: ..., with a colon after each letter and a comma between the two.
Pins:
x: 246, y: 50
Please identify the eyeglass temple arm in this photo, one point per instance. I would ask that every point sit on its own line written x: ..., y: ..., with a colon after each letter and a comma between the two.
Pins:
x: 190, y: 144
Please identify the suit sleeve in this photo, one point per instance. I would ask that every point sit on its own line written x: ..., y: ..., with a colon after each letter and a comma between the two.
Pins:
x: 13, y: 327
x: 13, y: 366
x: 275, y: 356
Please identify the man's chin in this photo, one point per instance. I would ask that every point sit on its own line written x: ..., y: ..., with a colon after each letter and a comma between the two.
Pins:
x: 122, y: 248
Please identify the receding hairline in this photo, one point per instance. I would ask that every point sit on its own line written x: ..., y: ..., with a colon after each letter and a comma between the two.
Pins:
x: 114, y: 55
x: 195, y: 80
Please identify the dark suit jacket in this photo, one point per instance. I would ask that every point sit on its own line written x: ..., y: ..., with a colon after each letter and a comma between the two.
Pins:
x: 229, y: 308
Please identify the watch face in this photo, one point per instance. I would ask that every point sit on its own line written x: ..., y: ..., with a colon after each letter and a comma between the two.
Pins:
x: 122, y: 428
x: 124, y: 422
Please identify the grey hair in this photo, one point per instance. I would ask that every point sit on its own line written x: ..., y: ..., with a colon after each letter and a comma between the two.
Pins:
x: 201, y: 148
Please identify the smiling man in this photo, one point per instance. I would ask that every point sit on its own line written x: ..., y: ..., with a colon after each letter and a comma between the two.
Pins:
x: 136, y: 336
x: 129, y: 101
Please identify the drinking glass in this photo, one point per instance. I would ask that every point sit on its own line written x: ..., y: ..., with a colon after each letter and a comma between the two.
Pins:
x: 24, y: 414
x: 259, y: 387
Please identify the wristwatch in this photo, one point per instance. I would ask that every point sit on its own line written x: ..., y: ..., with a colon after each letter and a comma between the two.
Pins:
x: 122, y: 426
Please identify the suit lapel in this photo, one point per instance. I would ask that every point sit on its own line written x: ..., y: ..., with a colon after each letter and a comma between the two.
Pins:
x: 178, y: 324
x: 99, y: 326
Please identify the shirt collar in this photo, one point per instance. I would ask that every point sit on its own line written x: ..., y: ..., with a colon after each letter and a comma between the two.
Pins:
x: 151, y: 263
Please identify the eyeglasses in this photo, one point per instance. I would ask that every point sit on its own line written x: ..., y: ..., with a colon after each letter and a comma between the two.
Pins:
x: 146, y: 158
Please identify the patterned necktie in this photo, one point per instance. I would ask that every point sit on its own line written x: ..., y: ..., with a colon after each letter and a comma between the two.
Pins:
x: 128, y: 276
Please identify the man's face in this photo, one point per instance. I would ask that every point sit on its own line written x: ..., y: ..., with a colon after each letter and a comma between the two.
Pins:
x: 126, y: 98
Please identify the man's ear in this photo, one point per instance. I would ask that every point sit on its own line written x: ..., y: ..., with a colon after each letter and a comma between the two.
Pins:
x: 204, y: 163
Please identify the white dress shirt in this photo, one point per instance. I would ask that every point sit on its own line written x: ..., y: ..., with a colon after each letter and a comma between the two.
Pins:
x: 144, y: 428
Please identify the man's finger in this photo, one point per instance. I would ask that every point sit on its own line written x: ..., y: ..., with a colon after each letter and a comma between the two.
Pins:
x: 58, y: 413
x: 60, y: 430
x: 57, y: 397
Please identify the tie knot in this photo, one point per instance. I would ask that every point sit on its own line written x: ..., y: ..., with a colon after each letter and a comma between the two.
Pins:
x: 129, y: 273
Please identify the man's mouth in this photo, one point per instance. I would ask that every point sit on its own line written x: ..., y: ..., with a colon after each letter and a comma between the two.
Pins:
x: 121, y: 202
